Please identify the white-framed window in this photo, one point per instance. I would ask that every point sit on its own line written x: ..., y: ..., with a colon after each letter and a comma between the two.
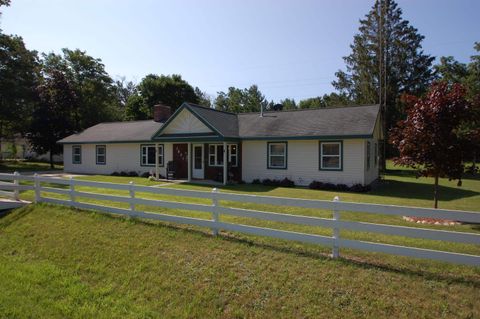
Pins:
x: 77, y: 154
x: 160, y: 155
x: 233, y: 154
x: 368, y: 155
x: 147, y: 155
x: 215, y: 155
x: 376, y: 154
x: 331, y: 155
x: 100, y: 154
x: 277, y: 155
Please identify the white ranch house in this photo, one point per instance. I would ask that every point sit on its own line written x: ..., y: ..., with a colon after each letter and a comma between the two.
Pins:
x: 336, y: 145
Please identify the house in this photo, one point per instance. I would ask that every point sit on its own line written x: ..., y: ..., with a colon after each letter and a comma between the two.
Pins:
x: 19, y: 148
x: 337, y: 145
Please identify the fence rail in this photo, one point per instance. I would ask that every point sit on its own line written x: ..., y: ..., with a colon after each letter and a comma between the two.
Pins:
x: 219, y: 207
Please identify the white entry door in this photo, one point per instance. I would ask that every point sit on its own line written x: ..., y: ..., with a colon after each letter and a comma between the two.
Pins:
x: 198, y: 167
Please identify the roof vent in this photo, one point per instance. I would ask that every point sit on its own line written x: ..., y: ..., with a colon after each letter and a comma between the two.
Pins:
x: 161, y: 112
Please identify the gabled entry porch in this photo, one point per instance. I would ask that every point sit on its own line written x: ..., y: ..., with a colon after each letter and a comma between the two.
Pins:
x: 199, y: 160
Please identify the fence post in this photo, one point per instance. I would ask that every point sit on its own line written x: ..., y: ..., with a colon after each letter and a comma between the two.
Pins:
x: 36, y: 183
x: 16, y: 183
x: 132, y: 196
x: 336, y: 230
x: 72, y: 191
x: 215, y: 211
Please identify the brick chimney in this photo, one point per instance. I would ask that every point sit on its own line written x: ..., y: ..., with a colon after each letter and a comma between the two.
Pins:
x: 161, y: 112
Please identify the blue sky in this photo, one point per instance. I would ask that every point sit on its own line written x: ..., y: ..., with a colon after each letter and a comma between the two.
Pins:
x: 289, y: 48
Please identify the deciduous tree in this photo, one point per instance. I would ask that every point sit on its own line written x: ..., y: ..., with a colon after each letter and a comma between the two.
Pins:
x: 53, y: 117
x: 429, y: 140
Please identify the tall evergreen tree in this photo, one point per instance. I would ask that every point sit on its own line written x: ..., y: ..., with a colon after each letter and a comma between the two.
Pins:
x: 387, y: 42
x: 240, y: 101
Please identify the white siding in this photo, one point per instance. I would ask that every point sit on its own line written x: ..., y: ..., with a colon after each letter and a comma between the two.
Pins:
x: 185, y: 123
x: 372, y: 173
x: 120, y: 157
x: 303, y: 162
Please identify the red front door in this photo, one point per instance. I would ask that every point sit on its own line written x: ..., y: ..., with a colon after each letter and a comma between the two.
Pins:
x: 180, y: 153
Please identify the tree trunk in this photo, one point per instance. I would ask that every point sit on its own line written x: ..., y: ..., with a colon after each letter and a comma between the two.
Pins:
x: 474, y: 164
x: 51, y: 160
x: 435, y: 192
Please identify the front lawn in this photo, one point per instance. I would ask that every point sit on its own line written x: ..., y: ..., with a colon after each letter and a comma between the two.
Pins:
x: 10, y: 166
x: 57, y: 262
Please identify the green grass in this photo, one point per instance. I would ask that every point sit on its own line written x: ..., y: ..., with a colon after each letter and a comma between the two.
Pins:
x: 57, y: 262
x: 10, y: 166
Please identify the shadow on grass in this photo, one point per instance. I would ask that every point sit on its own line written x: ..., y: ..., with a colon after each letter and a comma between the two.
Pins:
x: 306, y: 252
x: 401, y: 189
x: 14, y: 215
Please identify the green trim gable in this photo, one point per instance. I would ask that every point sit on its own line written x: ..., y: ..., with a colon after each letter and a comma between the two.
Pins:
x: 177, y: 112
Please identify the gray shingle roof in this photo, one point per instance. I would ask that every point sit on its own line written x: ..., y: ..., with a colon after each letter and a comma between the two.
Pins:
x: 338, y: 121
x: 115, y: 132
x: 225, y: 122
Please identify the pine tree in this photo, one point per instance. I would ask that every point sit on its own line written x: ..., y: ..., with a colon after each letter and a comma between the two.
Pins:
x: 388, y: 51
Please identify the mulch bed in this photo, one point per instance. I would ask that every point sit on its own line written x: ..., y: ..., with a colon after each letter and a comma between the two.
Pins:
x: 431, y: 221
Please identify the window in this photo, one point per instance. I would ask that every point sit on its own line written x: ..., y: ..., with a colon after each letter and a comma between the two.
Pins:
x: 368, y: 155
x: 215, y: 154
x: 331, y: 156
x: 376, y: 154
x: 76, y: 154
x: 277, y: 155
x: 101, y: 154
x: 147, y: 155
x: 160, y: 155
x: 233, y: 154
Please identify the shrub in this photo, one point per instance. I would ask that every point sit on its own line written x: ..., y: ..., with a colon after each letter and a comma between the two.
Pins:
x: 357, y: 188
x: 122, y: 173
x: 133, y: 174
x: 287, y: 182
x: 146, y: 175
x: 115, y: 174
x: 256, y: 181
x: 241, y: 182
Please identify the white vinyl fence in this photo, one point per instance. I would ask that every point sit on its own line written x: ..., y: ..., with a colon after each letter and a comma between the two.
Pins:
x: 335, y: 223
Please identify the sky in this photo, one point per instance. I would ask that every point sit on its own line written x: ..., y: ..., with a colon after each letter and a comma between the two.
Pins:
x: 288, y: 48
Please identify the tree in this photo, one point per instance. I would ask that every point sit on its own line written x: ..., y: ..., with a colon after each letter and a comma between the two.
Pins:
x: 18, y: 78
x: 203, y: 98
x: 240, y: 101
x: 52, y: 117
x: 428, y: 140
x: 385, y: 39
x: 311, y: 103
x: 92, y: 84
x: 171, y: 90
x: 451, y: 71
x: 124, y: 89
x: 136, y: 108
x: 288, y: 104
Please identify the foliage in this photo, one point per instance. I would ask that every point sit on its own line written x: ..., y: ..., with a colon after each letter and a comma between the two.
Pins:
x: 93, y: 86
x: 240, y: 101
x: 428, y: 139
x: 275, y: 182
x: 407, y: 68
x: 288, y: 104
x: 54, y: 114
x: 171, y: 90
x: 18, y: 78
x: 356, y: 188
x: 124, y: 89
x: 203, y: 98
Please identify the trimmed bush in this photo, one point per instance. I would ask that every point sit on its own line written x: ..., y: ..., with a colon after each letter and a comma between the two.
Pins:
x: 115, y: 174
x: 122, y: 173
x: 357, y: 188
x: 287, y: 183
x: 133, y: 174
x: 256, y: 181
x: 146, y: 175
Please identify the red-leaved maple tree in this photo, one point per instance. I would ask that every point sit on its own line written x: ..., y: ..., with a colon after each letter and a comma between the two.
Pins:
x: 428, y: 139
